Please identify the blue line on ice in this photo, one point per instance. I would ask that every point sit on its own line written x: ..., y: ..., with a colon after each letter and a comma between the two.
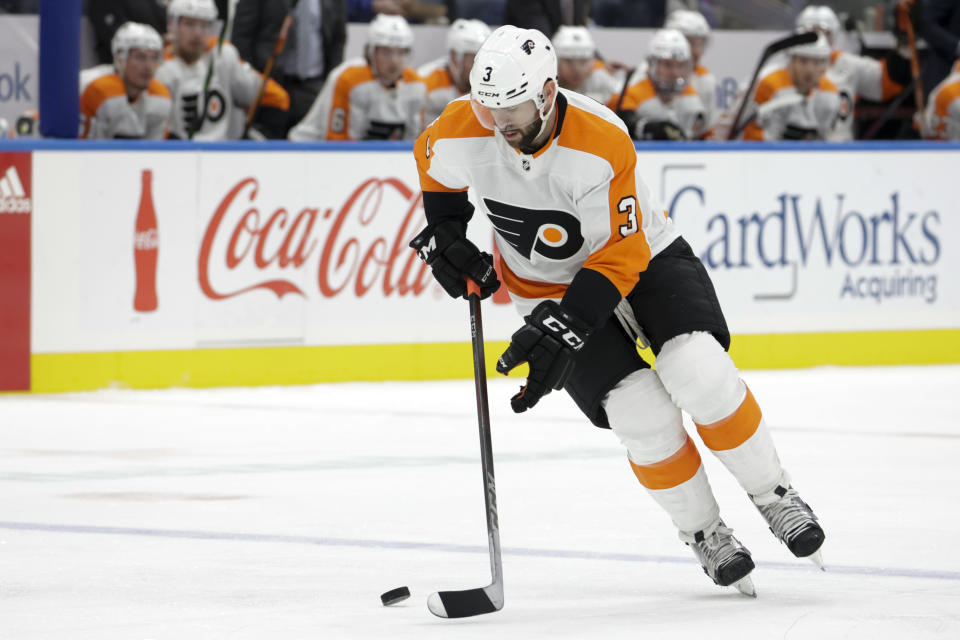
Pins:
x: 890, y: 572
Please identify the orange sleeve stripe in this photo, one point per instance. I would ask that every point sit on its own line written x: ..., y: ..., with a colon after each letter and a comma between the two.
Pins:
x: 621, y: 259
x: 888, y: 88
x: 529, y: 289
x: 275, y: 96
x: 753, y: 132
x: 735, y: 429
x: 673, y: 471
x: 346, y: 81
x: 770, y: 84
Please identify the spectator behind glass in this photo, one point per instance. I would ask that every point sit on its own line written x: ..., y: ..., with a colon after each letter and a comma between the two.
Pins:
x: 411, y: 10
x: 629, y: 13
x: 314, y: 44
x: 546, y: 16
x: 106, y: 16
x: 941, y: 30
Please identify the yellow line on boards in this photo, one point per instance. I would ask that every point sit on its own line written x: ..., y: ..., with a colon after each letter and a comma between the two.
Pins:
x: 55, y: 372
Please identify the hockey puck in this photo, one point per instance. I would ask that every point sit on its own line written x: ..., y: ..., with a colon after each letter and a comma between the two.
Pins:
x: 394, y: 596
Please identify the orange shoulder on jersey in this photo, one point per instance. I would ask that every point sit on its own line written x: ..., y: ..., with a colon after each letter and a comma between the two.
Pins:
x: 768, y: 86
x: 157, y: 88
x: 827, y: 85
x: 701, y: 70
x: 98, y: 92
x: 638, y: 94
x: 439, y: 78
x: 456, y: 121
x: 888, y: 88
x: 410, y: 75
x: 346, y: 81
x: 623, y: 256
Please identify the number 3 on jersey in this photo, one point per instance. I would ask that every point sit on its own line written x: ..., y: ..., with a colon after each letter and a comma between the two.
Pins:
x: 628, y: 205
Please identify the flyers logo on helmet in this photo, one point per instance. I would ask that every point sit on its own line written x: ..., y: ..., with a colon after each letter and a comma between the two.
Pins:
x: 549, y: 233
x: 527, y: 47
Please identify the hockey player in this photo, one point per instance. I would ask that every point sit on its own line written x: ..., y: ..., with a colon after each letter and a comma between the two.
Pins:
x: 220, y: 113
x: 579, y: 69
x: 795, y: 100
x: 593, y: 262
x: 449, y: 77
x: 853, y: 75
x: 373, y: 98
x: 663, y: 104
x: 943, y: 107
x: 695, y: 29
x: 126, y: 100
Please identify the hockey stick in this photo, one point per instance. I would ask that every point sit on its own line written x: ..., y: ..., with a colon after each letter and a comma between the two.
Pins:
x: 206, y: 81
x: 793, y: 40
x: 472, y: 602
x: 906, y: 24
x: 268, y: 68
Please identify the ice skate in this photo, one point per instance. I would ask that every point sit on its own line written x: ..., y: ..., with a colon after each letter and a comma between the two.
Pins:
x: 791, y: 520
x: 723, y: 558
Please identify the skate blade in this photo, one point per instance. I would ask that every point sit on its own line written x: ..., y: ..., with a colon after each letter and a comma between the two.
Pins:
x: 745, y: 586
x: 817, y: 559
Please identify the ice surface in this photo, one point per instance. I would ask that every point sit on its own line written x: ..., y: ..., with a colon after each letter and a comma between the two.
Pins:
x: 285, y: 512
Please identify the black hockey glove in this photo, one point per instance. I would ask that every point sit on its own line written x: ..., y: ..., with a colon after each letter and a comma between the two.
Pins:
x: 547, y: 342
x: 662, y: 130
x: 452, y: 258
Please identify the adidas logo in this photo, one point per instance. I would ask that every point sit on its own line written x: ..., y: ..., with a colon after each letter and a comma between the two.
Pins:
x: 13, y: 197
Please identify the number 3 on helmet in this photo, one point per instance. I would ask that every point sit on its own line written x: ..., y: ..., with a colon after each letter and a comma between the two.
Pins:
x: 510, y: 68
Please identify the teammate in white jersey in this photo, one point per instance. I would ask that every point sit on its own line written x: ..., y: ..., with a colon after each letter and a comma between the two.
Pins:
x: 233, y: 85
x: 594, y: 263
x: 373, y: 98
x: 661, y: 103
x: 853, y: 75
x: 125, y: 100
x: 449, y: 77
x: 578, y: 67
x: 796, y: 100
x: 695, y: 29
x: 943, y: 108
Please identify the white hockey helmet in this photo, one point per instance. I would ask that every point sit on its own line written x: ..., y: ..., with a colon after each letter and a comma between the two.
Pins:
x: 689, y: 23
x: 133, y: 35
x: 199, y: 9
x: 819, y: 49
x: 466, y: 36
x: 512, y: 67
x: 819, y: 18
x: 668, y: 44
x: 574, y: 42
x: 389, y: 31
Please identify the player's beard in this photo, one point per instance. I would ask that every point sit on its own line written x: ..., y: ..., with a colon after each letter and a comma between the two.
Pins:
x: 529, y: 134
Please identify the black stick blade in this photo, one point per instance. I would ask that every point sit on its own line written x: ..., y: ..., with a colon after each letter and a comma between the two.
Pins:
x: 463, y: 604
x: 796, y: 40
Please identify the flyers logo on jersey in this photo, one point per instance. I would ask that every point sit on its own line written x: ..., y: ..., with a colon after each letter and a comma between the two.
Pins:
x: 549, y: 233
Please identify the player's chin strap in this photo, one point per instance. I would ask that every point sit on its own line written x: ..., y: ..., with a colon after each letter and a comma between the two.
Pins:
x: 544, y: 118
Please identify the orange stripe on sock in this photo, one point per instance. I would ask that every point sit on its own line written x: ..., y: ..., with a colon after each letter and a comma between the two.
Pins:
x: 735, y: 429
x: 671, y: 472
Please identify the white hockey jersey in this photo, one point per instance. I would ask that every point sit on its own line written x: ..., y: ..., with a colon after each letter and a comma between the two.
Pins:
x: 441, y: 89
x: 705, y: 84
x: 106, y: 112
x: 685, y: 110
x: 578, y: 202
x: 856, y: 76
x: 601, y: 85
x: 777, y: 111
x: 943, y: 108
x: 233, y: 87
x: 354, y: 105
